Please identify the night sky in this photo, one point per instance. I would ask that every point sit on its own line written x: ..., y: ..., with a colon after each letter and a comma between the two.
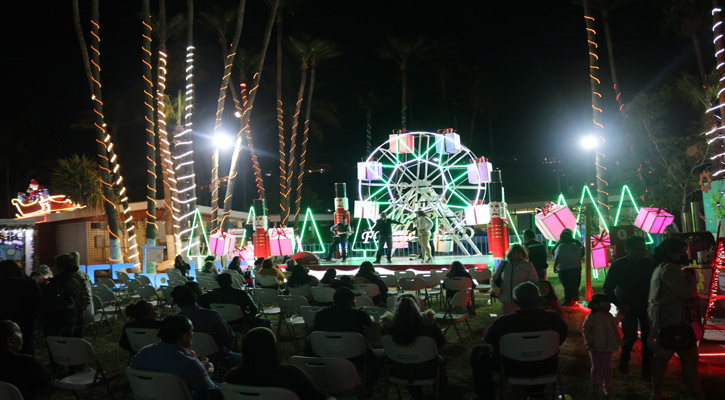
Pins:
x: 534, y: 52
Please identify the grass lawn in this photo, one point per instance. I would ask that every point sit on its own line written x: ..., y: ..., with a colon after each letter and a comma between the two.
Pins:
x: 573, y: 361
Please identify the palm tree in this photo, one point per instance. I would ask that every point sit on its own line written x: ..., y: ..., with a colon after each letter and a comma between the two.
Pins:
x: 302, y: 49
x: 369, y: 102
x: 77, y: 176
x: 246, y: 115
x: 150, y: 129
x: 321, y: 50
x: 101, y: 137
x: 403, y: 52
x: 228, y: 63
x: 688, y: 18
x: 484, y: 97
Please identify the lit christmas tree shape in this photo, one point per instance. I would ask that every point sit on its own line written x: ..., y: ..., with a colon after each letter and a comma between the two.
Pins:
x: 309, y: 218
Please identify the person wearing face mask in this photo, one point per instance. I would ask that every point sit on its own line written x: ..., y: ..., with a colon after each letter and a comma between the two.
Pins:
x: 515, y: 269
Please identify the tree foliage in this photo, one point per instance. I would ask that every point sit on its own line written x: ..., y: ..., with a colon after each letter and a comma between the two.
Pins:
x: 77, y: 177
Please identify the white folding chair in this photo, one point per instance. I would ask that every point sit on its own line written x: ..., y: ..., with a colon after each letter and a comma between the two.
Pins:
x: 9, y: 392
x: 139, y: 338
x: 108, y: 299
x: 462, y: 298
x: 304, y: 290
x: 266, y: 281
x: 460, y: 283
x: 203, y: 344
x: 230, y: 312
x: 145, y: 280
x: 322, y: 294
x: 371, y: 290
x: 347, y: 345
x: 390, y: 281
x: 149, y: 293
x: 433, y: 283
x: 422, y: 350
x: 402, y: 274
x: 70, y: 352
x: 375, y: 312
x: 132, y: 290
x: 289, y: 315
x: 332, y: 375
x: 157, y: 385
x: 417, y: 285
x: 308, y: 314
x: 482, y: 277
x: 101, y: 318
x: 241, y: 392
x: 528, y: 347
x: 364, y: 301
x: 266, y: 298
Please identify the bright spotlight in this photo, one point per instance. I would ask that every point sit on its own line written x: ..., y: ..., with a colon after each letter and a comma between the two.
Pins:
x: 222, y: 141
x: 588, y: 142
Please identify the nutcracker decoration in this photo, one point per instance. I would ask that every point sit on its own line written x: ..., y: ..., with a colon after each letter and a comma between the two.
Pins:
x: 341, y: 203
x: 261, y: 238
x: 497, y: 230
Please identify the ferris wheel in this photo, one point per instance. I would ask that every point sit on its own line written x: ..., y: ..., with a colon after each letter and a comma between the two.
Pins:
x: 425, y: 171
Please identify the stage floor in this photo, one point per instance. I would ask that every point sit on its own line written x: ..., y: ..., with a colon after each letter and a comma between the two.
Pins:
x: 400, y: 264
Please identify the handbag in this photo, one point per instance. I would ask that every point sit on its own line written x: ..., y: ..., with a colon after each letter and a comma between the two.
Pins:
x: 674, y: 337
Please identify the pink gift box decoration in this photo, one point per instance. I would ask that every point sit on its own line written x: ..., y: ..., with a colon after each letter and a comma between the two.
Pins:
x: 600, y: 251
x: 281, y: 241
x: 450, y: 143
x: 366, y: 209
x: 369, y: 170
x: 653, y: 220
x: 221, y: 243
x: 246, y: 253
x: 479, y: 214
x: 479, y: 171
x: 401, y: 143
x: 553, y: 218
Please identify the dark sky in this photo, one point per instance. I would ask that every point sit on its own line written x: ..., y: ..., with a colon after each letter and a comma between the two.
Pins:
x: 534, y: 53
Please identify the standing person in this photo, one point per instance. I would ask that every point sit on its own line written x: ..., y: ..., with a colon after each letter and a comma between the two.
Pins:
x: 63, y: 299
x: 340, y: 232
x: 668, y: 292
x: 602, y: 338
x: 20, y: 299
x: 88, y: 310
x: 424, y: 225
x: 384, y: 226
x: 568, y: 264
x: 537, y: 253
x: 627, y: 285
x: 510, y: 272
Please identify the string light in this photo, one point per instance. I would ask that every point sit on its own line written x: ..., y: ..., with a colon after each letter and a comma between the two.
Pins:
x: 150, y: 127
x: 716, y: 110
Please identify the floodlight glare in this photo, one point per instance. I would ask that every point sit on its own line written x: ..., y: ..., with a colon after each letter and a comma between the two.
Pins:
x: 588, y: 142
x: 222, y: 141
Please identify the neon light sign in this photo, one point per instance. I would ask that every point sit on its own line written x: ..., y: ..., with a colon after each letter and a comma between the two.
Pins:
x: 36, y: 202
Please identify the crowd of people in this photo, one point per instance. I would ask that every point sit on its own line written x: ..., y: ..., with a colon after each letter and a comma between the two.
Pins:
x: 653, y: 298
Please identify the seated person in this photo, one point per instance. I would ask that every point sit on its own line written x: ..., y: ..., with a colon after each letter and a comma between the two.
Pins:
x: 173, y: 355
x: 260, y: 367
x: 235, y: 264
x: 209, y: 268
x: 457, y: 270
x: 300, y: 277
x: 181, y: 265
x: 209, y: 322
x: 342, y: 316
x: 21, y: 370
x: 344, y: 281
x: 367, y: 274
x: 268, y: 268
x: 528, y: 318
x: 329, y: 277
x: 142, y: 314
x: 226, y: 294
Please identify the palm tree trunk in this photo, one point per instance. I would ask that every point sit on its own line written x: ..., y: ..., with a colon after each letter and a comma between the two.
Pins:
x: 280, y: 118
x: 82, y: 43
x: 246, y: 118
x: 404, y: 97
x: 612, y: 65
x: 228, y: 63
x: 150, y: 131
x: 698, y: 55
x: 103, y: 140
x: 368, y: 132
x: 305, y: 138
x: 184, y: 147
x: 293, y: 142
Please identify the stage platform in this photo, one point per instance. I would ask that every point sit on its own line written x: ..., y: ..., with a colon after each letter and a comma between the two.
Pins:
x: 401, y: 264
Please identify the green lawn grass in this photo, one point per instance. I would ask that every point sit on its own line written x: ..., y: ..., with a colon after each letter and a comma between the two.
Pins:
x: 574, y: 361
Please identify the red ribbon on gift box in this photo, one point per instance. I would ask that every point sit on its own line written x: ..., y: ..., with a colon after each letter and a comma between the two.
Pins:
x: 546, y: 210
x: 279, y: 232
x: 597, y: 240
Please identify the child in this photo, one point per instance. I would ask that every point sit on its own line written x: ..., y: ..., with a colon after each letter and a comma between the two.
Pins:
x: 602, y: 338
x: 548, y: 300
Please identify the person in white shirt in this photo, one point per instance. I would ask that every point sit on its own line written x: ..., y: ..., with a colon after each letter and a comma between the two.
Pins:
x: 424, y: 225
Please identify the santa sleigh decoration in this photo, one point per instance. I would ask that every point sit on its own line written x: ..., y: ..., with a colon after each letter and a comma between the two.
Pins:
x: 36, y: 202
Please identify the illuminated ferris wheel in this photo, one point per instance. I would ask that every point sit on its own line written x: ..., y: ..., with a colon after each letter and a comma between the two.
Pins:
x: 424, y: 171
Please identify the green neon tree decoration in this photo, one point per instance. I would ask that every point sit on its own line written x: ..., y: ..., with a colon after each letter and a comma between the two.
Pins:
x: 625, y: 189
x: 353, y: 247
x: 198, y: 222
x: 516, y: 232
x: 310, y: 217
x: 250, y: 217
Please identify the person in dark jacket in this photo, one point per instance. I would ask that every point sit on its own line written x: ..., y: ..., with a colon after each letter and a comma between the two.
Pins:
x: 367, y: 274
x: 226, y: 294
x: 64, y: 299
x: 235, y: 264
x: 181, y: 265
x: 627, y: 285
x: 537, y: 253
x: 141, y: 314
x: 384, y: 227
x: 20, y: 370
x: 19, y: 300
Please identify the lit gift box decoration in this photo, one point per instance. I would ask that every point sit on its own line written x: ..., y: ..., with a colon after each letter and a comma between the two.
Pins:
x: 366, y: 209
x: 400, y: 240
x: 450, y: 143
x: 401, y: 143
x: 653, y: 220
x: 281, y: 241
x: 221, y: 243
x: 246, y: 253
x: 554, y: 218
x: 443, y: 244
x: 479, y: 171
x: 600, y: 251
x: 479, y: 214
x: 369, y: 170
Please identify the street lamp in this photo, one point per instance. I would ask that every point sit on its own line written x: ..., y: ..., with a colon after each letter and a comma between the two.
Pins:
x: 222, y: 141
x: 588, y: 142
